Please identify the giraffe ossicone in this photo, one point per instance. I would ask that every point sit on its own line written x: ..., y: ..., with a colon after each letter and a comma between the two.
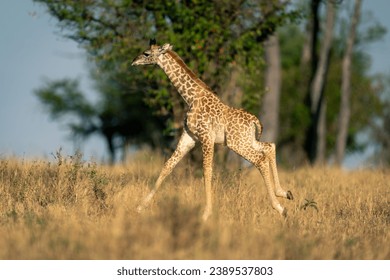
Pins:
x: 210, y: 121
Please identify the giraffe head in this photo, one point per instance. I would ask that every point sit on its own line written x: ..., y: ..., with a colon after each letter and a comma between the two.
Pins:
x: 151, y: 55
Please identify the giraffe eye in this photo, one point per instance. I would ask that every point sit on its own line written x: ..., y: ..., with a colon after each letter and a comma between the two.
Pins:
x: 146, y: 54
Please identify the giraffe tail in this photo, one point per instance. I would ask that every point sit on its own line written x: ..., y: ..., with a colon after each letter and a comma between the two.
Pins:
x: 259, y: 128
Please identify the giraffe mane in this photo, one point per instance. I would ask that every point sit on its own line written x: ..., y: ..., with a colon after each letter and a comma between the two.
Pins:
x: 180, y: 61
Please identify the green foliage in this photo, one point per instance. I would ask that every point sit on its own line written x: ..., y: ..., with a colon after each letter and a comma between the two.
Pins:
x: 210, y: 34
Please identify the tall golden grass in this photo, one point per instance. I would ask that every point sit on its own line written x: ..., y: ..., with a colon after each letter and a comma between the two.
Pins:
x: 71, y: 209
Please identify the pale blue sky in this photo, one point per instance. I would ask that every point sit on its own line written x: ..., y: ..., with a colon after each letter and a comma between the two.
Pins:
x: 31, y: 50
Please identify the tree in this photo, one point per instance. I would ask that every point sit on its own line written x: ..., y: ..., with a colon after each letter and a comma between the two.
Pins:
x: 209, y: 35
x: 316, y: 134
x: 119, y: 116
x: 345, y: 106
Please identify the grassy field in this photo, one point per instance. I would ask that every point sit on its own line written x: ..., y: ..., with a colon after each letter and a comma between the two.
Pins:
x: 70, y: 209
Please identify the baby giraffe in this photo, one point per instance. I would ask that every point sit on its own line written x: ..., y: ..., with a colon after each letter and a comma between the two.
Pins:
x: 210, y: 122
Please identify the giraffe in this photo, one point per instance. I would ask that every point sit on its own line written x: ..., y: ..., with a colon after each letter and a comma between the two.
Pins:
x: 210, y: 121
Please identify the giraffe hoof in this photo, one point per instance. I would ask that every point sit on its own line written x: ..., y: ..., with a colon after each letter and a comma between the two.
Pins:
x: 289, y: 195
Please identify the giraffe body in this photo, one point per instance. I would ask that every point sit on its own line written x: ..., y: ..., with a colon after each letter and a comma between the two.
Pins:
x: 210, y: 121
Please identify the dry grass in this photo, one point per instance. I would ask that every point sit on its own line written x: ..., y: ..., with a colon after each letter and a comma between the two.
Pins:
x: 71, y: 209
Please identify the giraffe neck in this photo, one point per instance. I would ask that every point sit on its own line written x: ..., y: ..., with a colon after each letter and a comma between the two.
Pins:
x: 185, y: 81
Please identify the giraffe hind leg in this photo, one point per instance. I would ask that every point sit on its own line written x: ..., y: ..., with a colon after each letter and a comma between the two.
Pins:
x: 269, y: 151
x: 266, y: 163
x: 278, y: 189
x: 256, y: 154
x: 264, y: 169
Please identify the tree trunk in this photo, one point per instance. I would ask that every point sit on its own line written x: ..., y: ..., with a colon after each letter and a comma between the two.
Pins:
x: 309, y: 51
x: 316, y: 134
x: 270, y: 106
x: 345, y: 109
x: 321, y: 132
x: 110, y: 147
x: 125, y: 150
x: 308, y: 65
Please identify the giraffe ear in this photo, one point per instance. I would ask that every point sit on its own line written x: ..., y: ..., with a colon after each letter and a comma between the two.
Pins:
x: 165, y: 48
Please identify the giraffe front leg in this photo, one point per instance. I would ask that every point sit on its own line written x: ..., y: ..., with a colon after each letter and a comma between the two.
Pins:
x: 208, y: 154
x: 186, y: 143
